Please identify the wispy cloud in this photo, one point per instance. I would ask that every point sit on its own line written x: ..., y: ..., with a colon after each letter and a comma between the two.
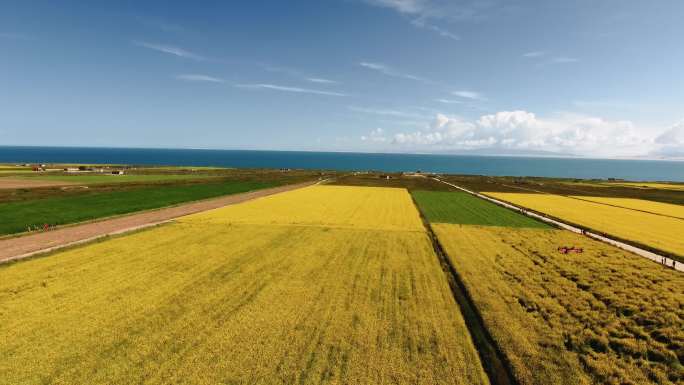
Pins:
x: 322, y: 81
x: 299, y: 90
x: 564, y: 60
x: 403, y: 6
x: 422, y: 23
x: 386, y: 70
x: 199, y: 78
x: 534, y: 54
x: 171, y: 50
x: 449, y: 101
x: 387, y: 112
x: 469, y: 95
x: 424, y: 12
x: 297, y: 74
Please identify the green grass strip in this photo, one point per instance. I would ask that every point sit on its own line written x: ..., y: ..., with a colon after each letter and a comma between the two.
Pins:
x: 17, y: 216
x: 463, y: 208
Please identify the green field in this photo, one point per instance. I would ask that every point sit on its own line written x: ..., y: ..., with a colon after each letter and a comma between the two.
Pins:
x: 103, y: 179
x: 17, y: 216
x: 462, y: 208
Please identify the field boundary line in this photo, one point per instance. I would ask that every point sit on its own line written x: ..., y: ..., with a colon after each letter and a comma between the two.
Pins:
x: 494, y: 362
x: 17, y: 248
x: 655, y: 257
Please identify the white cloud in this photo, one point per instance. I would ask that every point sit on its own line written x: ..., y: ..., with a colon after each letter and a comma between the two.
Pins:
x: 376, y: 136
x: 387, y: 112
x: 449, y: 101
x: 290, y: 89
x: 386, y: 70
x: 468, y: 95
x: 171, y: 50
x: 421, y: 23
x: 534, y: 54
x: 322, y: 81
x: 410, y: 7
x: 199, y: 78
x: 671, y: 142
x: 673, y: 136
x: 426, y: 10
x: 524, y: 131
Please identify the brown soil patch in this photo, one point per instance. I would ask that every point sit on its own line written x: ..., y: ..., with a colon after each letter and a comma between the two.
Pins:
x: 28, y: 245
x: 10, y: 183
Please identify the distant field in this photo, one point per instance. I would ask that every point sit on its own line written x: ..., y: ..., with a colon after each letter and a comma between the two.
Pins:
x: 640, y: 204
x: 16, y: 216
x: 355, y: 296
x: 463, y: 208
x: 374, y: 208
x: 600, y: 317
x: 664, y: 186
x: 96, y: 179
x: 656, y: 231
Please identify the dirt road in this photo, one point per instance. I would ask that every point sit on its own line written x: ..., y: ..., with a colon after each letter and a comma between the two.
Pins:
x: 28, y: 245
x: 11, y: 183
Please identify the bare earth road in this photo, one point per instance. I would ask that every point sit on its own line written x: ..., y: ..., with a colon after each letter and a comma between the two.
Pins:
x: 29, y: 245
x: 10, y: 183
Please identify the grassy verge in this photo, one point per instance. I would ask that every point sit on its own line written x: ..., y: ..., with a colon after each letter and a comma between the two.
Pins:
x: 17, y: 216
x: 463, y: 208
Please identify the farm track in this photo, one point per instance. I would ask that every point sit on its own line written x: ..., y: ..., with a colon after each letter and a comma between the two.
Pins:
x: 11, y: 183
x: 493, y: 360
x: 655, y: 257
x: 29, y: 245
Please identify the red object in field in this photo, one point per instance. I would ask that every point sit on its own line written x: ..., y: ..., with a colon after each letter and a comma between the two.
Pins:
x: 568, y: 250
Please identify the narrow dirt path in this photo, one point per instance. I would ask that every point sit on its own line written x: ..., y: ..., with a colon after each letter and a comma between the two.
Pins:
x: 661, y: 259
x: 32, y: 244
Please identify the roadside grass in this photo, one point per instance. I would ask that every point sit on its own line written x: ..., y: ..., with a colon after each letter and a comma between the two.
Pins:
x: 231, y: 302
x: 650, y: 230
x: 105, y: 179
x: 462, y: 208
x: 604, y: 316
x: 17, y: 216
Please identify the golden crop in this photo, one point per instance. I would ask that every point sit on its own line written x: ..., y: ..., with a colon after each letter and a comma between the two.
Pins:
x: 376, y: 208
x: 652, y: 230
x: 661, y: 186
x: 601, y: 317
x: 227, y: 297
x: 660, y: 208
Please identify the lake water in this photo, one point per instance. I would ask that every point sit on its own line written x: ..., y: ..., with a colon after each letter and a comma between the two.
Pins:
x: 647, y: 170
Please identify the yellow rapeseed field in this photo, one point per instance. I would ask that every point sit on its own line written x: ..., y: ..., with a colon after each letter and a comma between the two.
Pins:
x: 660, y: 208
x: 652, y: 230
x: 229, y: 298
x: 374, y: 208
x: 601, y: 317
x: 661, y: 186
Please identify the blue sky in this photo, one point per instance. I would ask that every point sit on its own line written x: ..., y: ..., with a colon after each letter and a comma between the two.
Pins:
x: 585, y: 77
